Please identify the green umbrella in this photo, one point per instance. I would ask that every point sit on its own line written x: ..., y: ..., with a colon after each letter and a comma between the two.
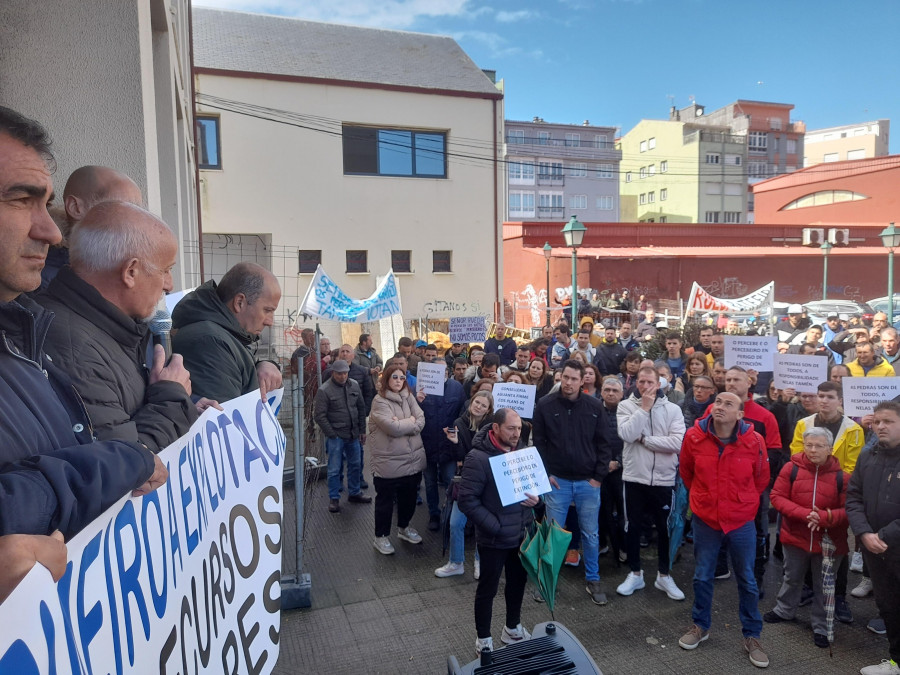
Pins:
x: 542, y: 555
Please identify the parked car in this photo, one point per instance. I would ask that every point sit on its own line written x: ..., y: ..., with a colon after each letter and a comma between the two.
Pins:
x: 881, y: 305
x: 819, y: 310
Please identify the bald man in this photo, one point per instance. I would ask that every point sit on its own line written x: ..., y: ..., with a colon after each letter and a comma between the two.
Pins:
x: 215, y: 325
x: 99, y: 336
x: 86, y: 187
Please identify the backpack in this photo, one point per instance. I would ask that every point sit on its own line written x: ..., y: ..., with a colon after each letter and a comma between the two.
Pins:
x: 840, y: 478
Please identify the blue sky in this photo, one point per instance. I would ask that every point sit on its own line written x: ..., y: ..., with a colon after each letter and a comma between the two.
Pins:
x: 614, y: 62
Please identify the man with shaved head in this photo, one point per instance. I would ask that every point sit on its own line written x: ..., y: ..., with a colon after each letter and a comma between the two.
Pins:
x: 215, y: 325
x: 121, y: 262
x: 86, y: 187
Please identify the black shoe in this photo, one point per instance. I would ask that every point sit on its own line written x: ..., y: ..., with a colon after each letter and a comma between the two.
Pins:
x: 842, y: 610
x: 644, y: 542
x: 334, y: 506
x: 772, y: 617
x: 876, y: 625
x: 434, y: 523
x: 363, y: 485
x: 820, y: 640
x: 359, y: 499
x: 777, y: 550
x: 806, y: 596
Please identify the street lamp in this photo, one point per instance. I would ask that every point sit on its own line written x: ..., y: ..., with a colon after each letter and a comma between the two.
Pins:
x: 890, y: 237
x: 826, y: 249
x: 573, y: 233
x: 548, y: 250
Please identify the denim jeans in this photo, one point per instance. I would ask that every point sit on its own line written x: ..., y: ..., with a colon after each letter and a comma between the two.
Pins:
x: 447, y: 471
x: 742, y: 548
x: 336, y: 448
x: 587, y: 504
x: 458, y: 522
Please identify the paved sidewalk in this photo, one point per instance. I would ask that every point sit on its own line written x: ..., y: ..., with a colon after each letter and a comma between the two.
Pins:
x: 390, y: 614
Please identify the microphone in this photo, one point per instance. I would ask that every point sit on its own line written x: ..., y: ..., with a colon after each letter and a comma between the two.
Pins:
x: 160, y: 325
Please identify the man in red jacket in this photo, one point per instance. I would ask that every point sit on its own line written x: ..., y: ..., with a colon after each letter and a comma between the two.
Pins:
x: 725, y: 466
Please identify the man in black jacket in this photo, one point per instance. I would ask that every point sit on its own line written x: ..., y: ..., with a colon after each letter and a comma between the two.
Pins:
x: 502, y: 345
x: 121, y: 258
x: 499, y: 529
x: 610, y: 353
x: 572, y: 434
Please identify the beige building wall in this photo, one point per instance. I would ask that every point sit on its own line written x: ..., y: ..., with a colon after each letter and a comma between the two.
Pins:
x: 851, y: 141
x: 286, y: 184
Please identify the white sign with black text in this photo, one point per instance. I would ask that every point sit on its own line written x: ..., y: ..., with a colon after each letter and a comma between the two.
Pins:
x: 862, y: 394
x: 430, y: 378
x: 750, y: 352
x: 467, y: 329
x: 800, y: 372
x: 518, y: 397
x: 519, y: 473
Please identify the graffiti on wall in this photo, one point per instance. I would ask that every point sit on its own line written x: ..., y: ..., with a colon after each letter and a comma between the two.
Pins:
x: 814, y: 291
x: 451, y: 307
x: 725, y: 287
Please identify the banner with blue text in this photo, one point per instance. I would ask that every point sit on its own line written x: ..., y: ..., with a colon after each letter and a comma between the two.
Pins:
x: 325, y: 299
x: 183, y: 580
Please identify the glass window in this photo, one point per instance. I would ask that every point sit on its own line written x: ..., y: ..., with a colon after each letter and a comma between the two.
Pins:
x: 208, y: 154
x: 441, y: 261
x: 309, y: 261
x: 651, y: 144
x: 663, y: 194
x: 394, y: 152
x: 605, y: 171
x: 578, y: 202
x: 357, y: 262
x: 401, y: 261
x: 606, y: 203
x: 664, y: 166
x: 515, y: 137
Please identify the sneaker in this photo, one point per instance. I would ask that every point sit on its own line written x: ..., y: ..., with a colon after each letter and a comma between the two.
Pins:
x: 383, y: 545
x: 633, y: 582
x: 666, y: 584
x: 755, y: 651
x: 876, y: 625
x: 863, y: 589
x: 821, y: 641
x: 774, y: 617
x: 451, y: 569
x: 511, y: 636
x: 334, y: 506
x: 573, y: 558
x: 723, y: 574
x: 598, y: 597
x: 604, y: 550
x: 483, y: 644
x: 693, y: 637
x: 477, y: 574
x: 806, y: 596
x: 434, y: 523
x: 884, y: 668
x: 536, y: 595
x: 856, y: 562
x: 842, y: 610
x: 410, y: 535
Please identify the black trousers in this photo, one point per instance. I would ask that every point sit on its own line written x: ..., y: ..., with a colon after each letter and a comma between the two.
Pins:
x: 655, y: 500
x: 386, y: 490
x: 885, y: 576
x: 493, y: 562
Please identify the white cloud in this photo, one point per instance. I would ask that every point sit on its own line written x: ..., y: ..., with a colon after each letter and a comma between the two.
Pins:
x: 497, y: 45
x: 520, y: 15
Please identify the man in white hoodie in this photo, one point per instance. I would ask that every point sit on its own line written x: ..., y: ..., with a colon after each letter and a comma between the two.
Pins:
x: 652, y: 429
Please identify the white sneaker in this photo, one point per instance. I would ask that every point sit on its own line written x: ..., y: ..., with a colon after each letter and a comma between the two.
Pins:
x: 863, y: 589
x: 451, y: 569
x: 383, y: 545
x: 511, y: 636
x: 410, y: 535
x: 856, y: 562
x: 486, y: 643
x: 477, y: 574
x: 633, y: 582
x: 666, y: 584
x: 884, y: 668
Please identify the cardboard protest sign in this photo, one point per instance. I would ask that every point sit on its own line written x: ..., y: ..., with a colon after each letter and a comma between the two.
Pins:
x: 518, y: 397
x: 467, y: 329
x: 803, y: 373
x: 862, y: 394
x: 750, y: 351
x: 517, y: 473
x: 430, y: 378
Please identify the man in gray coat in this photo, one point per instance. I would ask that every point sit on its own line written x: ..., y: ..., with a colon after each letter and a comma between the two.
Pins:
x: 341, y: 414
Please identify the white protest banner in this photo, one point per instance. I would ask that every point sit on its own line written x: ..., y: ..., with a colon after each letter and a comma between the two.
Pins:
x: 862, y: 394
x: 184, y: 579
x: 430, y: 377
x: 702, y: 300
x: 519, y: 472
x: 519, y: 397
x: 467, y: 329
x: 750, y: 352
x: 801, y: 372
x: 323, y: 298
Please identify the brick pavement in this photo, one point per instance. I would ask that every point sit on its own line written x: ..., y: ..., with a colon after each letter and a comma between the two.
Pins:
x: 390, y: 614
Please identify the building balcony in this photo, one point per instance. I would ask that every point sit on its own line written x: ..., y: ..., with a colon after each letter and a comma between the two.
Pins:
x: 554, y: 179
x: 714, y: 137
x: 553, y: 212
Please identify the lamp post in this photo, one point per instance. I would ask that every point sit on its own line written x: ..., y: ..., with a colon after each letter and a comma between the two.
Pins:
x: 826, y: 249
x: 890, y: 237
x: 548, y: 250
x: 573, y: 233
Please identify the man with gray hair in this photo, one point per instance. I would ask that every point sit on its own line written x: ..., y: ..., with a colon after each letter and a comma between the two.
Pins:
x: 217, y: 323
x: 121, y: 261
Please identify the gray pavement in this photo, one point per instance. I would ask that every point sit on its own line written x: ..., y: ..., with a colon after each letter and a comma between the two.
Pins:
x: 390, y: 614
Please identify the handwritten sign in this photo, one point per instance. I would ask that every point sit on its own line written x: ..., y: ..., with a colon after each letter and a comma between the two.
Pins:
x: 467, y: 329
x: 430, y: 378
x: 518, y: 397
x: 862, y: 394
x: 750, y: 352
x: 802, y: 373
x: 325, y: 299
x: 517, y: 473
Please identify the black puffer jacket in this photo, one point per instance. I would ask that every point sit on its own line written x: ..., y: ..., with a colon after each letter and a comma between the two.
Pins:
x: 572, y: 437
x: 873, y: 497
x: 103, y: 351
x: 496, y: 526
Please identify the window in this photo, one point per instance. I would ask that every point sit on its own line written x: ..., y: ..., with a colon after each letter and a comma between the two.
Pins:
x: 556, y: 169
x: 712, y: 217
x: 757, y: 141
x: 521, y: 204
x: 791, y: 146
x: 775, y: 143
x: 515, y: 137
x: 712, y: 157
x: 642, y: 199
x: 578, y: 202
x: 606, y: 203
x: 627, y: 176
x: 651, y: 197
x: 824, y: 197
x: 733, y: 160
x: 664, y: 166
x: 573, y: 140
x: 775, y: 123
x: 732, y: 217
x: 651, y: 170
x: 663, y: 194
x: 757, y: 169
x: 550, y: 170
x: 651, y: 144
x: 643, y: 172
x: 208, y: 141
x: 543, y: 138
x: 831, y: 157
x: 441, y: 261
x: 521, y: 173
x: 663, y: 219
x: 578, y: 170
x: 605, y: 171
x: 401, y: 261
x: 856, y: 154
x: 600, y: 141
x: 394, y: 152
x: 357, y: 262
x: 551, y: 200
x: 309, y: 261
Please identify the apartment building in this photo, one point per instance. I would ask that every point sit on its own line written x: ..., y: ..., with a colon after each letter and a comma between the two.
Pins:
x: 847, y: 142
